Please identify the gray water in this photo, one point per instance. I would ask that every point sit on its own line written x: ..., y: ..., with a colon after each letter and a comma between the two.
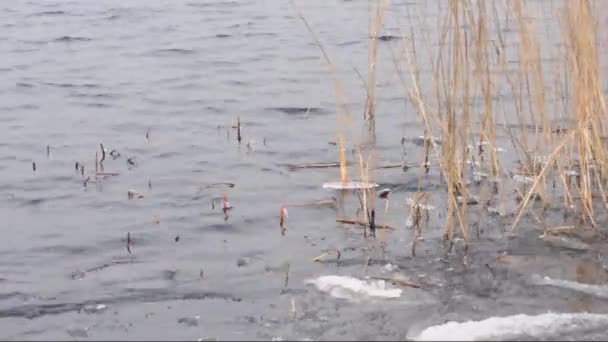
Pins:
x: 163, y: 82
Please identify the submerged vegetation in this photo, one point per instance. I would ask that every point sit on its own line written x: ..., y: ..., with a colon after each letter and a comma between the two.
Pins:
x: 554, y: 125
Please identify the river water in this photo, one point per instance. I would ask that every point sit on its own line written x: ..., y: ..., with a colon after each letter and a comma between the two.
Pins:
x: 163, y: 83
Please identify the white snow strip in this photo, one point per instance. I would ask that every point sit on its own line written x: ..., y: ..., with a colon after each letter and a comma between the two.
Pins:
x: 541, y: 326
x: 354, y: 289
x: 595, y: 290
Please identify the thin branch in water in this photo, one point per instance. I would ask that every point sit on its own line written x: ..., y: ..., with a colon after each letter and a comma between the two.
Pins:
x: 362, y: 223
x: 228, y: 184
x: 103, y: 155
x: 287, y: 267
x: 129, y: 243
x: 238, y: 129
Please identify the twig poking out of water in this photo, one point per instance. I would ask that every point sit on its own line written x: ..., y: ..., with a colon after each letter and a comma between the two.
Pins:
x: 201, y: 275
x: 226, y: 207
x: 282, y: 217
x: 82, y: 170
x: 149, y: 184
x: 294, y: 310
x: 338, y: 256
x: 492, y: 272
x: 372, y: 223
x: 400, y: 282
x: 131, y: 194
x: 129, y: 242
x: 103, y: 155
x: 76, y: 166
x: 287, y: 267
x: 86, y: 181
x: 131, y: 162
x: 238, y: 129
x: 96, y: 162
x: 48, y: 151
x: 148, y: 134
x: 34, y: 166
x: 176, y: 238
x: 114, y: 154
x: 384, y: 193
x: 361, y: 223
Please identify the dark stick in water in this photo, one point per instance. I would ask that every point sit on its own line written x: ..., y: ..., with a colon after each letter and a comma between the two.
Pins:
x: 48, y: 151
x: 287, y: 267
x: 129, y: 242
x: 86, y: 181
x: 228, y: 184
x: 103, y: 155
x: 238, y: 129
x: 34, y: 166
x: 76, y: 166
x: 372, y: 224
x: 361, y: 223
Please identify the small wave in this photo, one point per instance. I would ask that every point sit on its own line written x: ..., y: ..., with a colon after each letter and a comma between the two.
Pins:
x: 174, y: 51
x: 71, y: 85
x: 72, y: 39
x: 96, y: 105
x: 543, y: 326
x: 261, y: 34
x: 32, y: 311
x: 349, y: 43
x: 48, y: 13
x: 296, y: 110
